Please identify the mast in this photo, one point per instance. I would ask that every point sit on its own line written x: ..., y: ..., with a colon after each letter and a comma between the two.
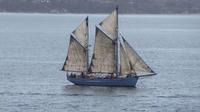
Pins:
x: 117, y: 46
x: 87, y: 49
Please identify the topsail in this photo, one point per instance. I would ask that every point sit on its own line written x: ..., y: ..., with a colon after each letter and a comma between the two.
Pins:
x: 110, y: 24
x: 81, y: 33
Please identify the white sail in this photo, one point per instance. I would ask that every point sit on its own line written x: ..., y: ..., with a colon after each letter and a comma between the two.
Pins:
x: 125, y: 67
x: 136, y: 61
x: 76, y: 58
x: 103, y: 59
x: 110, y: 24
x: 81, y: 33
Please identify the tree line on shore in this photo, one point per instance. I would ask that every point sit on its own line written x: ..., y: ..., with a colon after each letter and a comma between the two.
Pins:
x: 102, y: 6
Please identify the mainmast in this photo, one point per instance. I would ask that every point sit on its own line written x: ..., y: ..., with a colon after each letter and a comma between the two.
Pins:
x: 116, y: 45
x: 87, y: 49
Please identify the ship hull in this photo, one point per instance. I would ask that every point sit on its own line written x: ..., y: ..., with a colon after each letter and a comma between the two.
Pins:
x: 118, y: 82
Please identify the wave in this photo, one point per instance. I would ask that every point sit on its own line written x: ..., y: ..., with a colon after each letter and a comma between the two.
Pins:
x: 180, y: 96
x: 55, y: 94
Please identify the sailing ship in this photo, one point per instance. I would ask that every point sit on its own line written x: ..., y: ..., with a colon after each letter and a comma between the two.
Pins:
x: 113, y: 63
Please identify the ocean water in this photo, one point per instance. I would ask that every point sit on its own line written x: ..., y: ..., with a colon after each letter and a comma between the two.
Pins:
x: 33, y: 48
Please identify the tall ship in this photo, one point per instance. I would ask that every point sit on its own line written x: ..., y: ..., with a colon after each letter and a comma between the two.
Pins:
x: 113, y: 62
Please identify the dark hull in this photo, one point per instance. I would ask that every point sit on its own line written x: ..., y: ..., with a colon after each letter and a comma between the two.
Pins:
x: 126, y: 82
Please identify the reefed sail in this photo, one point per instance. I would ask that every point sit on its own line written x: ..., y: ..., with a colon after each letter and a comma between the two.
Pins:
x: 136, y: 61
x: 103, y: 59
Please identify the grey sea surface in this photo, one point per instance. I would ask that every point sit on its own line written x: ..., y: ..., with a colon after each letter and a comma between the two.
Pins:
x: 33, y: 48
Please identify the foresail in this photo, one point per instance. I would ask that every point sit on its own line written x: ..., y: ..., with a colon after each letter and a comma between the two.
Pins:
x: 110, y: 24
x: 136, y: 61
x: 76, y: 58
x: 103, y: 59
x: 125, y: 67
x: 81, y: 33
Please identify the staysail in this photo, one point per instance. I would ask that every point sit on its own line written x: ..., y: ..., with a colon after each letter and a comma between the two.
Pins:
x: 136, y: 61
x: 110, y: 23
x: 103, y: 59
x: 125, y: 66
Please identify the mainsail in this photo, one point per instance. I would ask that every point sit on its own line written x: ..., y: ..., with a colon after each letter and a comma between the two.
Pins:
x: 125, y: 66
x: 76, y: 58
x: 110, y: 24
x: 136, y: 61
x: 103, y: 59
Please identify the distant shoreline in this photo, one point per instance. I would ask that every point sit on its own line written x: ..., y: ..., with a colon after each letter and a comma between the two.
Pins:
x: 93, y: 13
x: 102, y: 6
